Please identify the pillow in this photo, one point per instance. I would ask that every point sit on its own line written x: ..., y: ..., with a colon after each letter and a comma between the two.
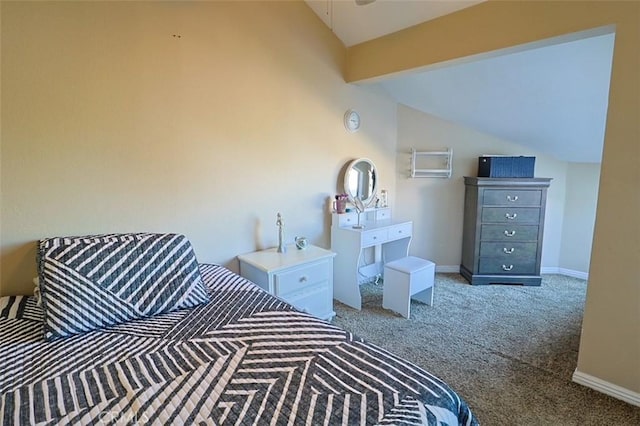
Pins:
x: 36, y: 291
x: 92, y: 282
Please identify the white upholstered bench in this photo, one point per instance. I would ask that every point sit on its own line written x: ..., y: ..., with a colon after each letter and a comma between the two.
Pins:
x: 407, y: 278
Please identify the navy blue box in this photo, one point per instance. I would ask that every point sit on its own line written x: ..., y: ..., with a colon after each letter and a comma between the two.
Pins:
x: 507, y: 167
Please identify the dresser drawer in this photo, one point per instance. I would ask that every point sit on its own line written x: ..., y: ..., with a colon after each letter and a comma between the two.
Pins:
x: 509, y: 250
x: 402, y: 230
x: 490, y: 265
x: 299, y: 278
x: 508, y: 232
x: 512, y: 197
x: 511, y: 214
x: 374, y: 237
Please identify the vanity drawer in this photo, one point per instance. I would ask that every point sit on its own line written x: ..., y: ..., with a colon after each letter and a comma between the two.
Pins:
x: 297, y: 279
x: 490, y: 265
x: 374, y: 237
x: 347, y: 219
x: 509, y: 250
x: 383, y: 214
x: 402, y: 230
x: 511, y: 214
x: 512, y: 197
x: 509, y: 232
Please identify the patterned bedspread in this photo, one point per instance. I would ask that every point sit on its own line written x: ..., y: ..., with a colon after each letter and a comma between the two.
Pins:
x: 244, y: 358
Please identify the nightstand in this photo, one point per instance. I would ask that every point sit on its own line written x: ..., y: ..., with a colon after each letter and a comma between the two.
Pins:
x: 303, y: 278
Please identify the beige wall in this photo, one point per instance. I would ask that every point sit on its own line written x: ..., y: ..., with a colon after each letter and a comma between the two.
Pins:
x: 610, y: 343
x: 580, y: 214
x: 112, y: 124
x: 436, y: 205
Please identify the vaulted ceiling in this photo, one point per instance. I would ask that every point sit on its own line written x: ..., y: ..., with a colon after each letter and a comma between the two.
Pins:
x: 552, y: 99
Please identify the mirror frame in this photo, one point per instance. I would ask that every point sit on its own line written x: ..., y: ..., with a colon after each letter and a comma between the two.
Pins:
x: 369, y: 200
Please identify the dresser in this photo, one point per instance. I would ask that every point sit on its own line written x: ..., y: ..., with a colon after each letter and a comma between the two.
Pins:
x: 303, y: 278
x: 362, y: 252
x: 502, y: 230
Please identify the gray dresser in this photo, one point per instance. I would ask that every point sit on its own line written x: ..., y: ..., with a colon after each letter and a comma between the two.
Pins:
x: 502, y: 230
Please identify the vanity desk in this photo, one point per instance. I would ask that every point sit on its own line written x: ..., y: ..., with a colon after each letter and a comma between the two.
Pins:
x: 383, y: 239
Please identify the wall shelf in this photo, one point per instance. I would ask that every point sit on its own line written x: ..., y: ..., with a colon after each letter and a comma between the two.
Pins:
x: 431, y: 163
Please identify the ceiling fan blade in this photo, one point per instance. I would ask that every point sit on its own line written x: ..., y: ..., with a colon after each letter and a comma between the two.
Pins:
x: 364, y: 2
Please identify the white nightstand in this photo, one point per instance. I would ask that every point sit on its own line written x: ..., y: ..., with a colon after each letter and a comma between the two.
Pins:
x: 304, y: 278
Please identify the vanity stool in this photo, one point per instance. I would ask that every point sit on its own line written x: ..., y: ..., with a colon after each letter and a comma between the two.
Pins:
x: 407, y: 278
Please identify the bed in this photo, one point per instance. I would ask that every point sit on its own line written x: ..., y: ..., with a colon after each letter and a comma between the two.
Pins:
x: 242, y: 356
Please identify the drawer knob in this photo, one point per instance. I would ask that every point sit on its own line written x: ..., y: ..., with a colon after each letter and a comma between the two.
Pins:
x: 511, y: 216
x: 303, y: 279
x: 375, y: 238
x: 508, y: 251
x: 512, y: 198
x: 509, y: 233
x: 507, y: 268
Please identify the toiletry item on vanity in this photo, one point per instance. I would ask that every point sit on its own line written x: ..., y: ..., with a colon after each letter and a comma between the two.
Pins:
x: 384, y: 198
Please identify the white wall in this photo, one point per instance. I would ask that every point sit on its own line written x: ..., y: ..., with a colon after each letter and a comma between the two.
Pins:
x: 112, y: 123
x: 580, y: 212
x: 436, y: 205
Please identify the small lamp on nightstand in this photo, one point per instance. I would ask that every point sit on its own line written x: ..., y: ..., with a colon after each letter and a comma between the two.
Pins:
x: 280, y: 225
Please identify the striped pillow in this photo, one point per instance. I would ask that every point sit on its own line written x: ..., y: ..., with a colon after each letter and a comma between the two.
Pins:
x: 97, y: 281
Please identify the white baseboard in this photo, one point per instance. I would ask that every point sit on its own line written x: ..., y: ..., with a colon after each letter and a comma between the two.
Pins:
x: 547, y: 270
x: 610, y: 389
x: 564, y: 271
x: 448, y: 268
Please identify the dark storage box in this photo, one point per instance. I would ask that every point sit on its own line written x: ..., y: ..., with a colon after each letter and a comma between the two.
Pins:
x: 511, y: 167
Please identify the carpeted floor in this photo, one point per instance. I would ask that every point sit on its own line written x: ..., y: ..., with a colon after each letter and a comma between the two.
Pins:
x: 508, y: 350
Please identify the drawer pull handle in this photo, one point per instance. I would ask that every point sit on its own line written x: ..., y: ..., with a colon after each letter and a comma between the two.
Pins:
x: 508, y: 251
x: 511, y: 216
x: 512, y: 199
x: 303, y: 279
x: 507, y: 268
x: 509, y: 233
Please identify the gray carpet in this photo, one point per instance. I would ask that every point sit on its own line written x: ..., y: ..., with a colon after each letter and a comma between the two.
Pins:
x: 508, y: 350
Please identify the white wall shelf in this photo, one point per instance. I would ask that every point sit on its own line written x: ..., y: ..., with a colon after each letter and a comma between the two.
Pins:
x: 431, y: 163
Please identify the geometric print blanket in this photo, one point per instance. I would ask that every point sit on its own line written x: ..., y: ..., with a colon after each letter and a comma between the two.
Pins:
x: 244, y: 358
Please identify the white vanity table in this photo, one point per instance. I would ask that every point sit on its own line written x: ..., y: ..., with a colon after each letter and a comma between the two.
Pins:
x: 385, y: 240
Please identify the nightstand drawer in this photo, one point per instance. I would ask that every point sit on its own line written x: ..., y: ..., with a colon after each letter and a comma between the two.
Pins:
x: 508, y: 250
x: 491, y: 265
x: 402, y: 230
x: 315, y: 300
x: 512, y: 197
x: 374, y: 237
x: 509, y: 232
x: 299, y: 278
x: 511, y: 214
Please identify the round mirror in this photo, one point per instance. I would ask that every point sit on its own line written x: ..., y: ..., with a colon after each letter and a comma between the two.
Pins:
x: 361, y: 181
